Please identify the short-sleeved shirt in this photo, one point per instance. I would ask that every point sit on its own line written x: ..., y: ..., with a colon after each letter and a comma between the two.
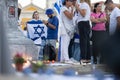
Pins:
x: 99, y: 26
x: 85, y: 6
x: 53, y: 33
x: 113, y: 20
x: 66, y: 22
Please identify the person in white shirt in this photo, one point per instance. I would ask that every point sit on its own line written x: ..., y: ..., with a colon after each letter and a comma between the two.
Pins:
x: 84, y: 30
x: 67, y: 29
x: 114, y: 24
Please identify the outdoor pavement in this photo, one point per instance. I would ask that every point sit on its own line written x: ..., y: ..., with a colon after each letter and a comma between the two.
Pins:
x: 78, y: 68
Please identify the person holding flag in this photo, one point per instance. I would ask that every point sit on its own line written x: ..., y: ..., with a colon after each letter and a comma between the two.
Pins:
x: 37, y: 31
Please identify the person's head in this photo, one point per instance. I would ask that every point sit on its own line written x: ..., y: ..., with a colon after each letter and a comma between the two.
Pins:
x: 49, y: 12
x: 68, y: 2
x: 82, y: 0
x: 109, y: 4
x: 97, y: 7
x: 35, y: 15
x: 74, y: 2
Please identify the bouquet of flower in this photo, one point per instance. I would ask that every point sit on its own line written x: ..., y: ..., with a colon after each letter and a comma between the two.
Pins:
x: 18, y: 59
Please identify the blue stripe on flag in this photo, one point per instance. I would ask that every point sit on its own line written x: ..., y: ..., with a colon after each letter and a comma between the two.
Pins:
x: 34, y: 38
x: 57, y: 7
x: 35, y: 22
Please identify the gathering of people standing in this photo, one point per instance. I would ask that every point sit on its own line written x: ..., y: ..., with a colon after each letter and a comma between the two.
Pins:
x: 78, y: 20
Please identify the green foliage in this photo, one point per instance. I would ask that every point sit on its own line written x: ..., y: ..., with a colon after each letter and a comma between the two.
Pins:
x: 18, y: 59
x: 38, y: 65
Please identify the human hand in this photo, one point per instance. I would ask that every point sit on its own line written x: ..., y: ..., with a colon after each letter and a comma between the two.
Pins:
x: 45, y: 22
x: 72, y: 8
x: 77, y: 5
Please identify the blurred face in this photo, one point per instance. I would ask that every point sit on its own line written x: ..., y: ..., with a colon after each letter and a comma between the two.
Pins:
x: 69, y: 2
x: 36, y: 15
x: 109, y: 6
x: 99, y: 7
x: 50, y: 15
x: 74, y: 2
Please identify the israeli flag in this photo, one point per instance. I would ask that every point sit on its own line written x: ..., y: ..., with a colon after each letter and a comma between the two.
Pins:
x: 37, y: 31
x: 57, y: 7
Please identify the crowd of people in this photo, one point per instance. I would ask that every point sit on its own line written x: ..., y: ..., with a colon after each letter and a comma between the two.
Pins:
x: 78, y: 21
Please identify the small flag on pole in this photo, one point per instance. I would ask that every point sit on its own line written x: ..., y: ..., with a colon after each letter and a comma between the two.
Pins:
x: 57, y: 7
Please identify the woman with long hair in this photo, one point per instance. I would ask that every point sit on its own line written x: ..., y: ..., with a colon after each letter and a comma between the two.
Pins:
x: 35, y: 15
x: 98, y: 30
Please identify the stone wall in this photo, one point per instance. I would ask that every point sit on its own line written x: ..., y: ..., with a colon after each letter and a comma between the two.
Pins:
x: 17, y: 42
x: 5, y: 62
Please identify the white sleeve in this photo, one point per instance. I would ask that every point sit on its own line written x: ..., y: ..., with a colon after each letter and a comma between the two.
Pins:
x: 117, y: 13
x: 64, y: 9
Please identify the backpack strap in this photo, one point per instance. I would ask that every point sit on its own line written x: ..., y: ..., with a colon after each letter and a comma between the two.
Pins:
x: 100, y: 15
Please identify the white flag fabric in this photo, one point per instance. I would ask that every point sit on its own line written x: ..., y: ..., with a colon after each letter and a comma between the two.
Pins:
x: 37, y: 31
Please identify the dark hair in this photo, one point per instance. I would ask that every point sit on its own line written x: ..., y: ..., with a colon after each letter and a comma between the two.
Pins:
x: 19, y: 12
x: 64, y: 2
x: 34, y: 14
x: 96, y: 4
x: 108, y: 1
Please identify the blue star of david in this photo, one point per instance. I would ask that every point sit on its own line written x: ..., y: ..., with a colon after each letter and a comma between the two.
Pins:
x: 39, y: 30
